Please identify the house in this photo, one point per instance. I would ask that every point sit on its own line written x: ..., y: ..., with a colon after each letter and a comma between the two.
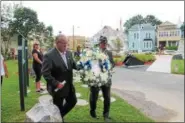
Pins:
x: 111, y: 35
x: 78, y: 40
x: 168, y: 34
x: 142, y: 37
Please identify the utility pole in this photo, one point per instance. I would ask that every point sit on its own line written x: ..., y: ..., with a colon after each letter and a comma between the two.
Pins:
x: 73, y: 38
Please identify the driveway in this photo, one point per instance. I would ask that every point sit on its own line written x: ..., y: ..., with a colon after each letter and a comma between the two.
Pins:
x: 158, y: 95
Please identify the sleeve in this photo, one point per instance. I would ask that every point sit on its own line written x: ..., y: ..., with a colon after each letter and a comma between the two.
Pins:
x: 111, y: 59
x: 74, y: 66
x: 2, y: 58
x: 34, y: 51
x: 46, y: 71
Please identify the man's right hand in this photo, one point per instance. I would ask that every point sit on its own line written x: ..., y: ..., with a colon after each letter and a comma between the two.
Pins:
x: 60, y: 85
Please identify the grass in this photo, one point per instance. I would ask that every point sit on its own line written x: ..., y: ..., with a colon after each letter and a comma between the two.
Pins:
x: 120, y: 111
x: 180, y: 66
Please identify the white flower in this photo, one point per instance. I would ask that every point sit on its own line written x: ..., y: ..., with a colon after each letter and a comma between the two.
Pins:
x: 89, y: 53
x: 78, y: 63
x: 85, y: 79
x: 99, y: 84
x: 85, y: 67
x: 86, y: 72
x: 104, y: 69
x: 91, y: 84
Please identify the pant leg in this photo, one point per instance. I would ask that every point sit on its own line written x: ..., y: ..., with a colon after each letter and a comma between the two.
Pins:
x: 93, y: 98
x: 1, y: 80
x: 37, y: 70
x: 71, y: 101
x: 58, y: 101
x: 106, y: 96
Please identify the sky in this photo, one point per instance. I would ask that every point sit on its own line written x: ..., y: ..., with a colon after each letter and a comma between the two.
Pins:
x: 88, y: 17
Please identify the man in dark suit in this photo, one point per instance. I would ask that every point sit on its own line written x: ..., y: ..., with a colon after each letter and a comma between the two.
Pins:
x: 105, y: 88
x: 58, y: 65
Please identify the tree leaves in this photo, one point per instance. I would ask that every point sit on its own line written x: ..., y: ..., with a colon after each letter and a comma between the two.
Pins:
x: 138, y: 19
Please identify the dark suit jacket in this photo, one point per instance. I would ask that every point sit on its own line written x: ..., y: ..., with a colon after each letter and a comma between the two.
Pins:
x: 109, y: 53
x: 54, y: 71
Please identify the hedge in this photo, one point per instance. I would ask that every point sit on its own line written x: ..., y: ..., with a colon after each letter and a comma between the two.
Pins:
x: 142, y: 57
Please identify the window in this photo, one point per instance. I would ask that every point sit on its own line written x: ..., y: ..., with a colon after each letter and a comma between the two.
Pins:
x: 161, y: 34
x: 137, y: 35
x: 147, y: 45
x: 134, y: 35
x: 175, y: 33
x: 149, y: 36
x: 144, y: 44
x: 146, y: 35
x: 133, y: 45
x: 178, y: 33
x: 150, y: 44
x: 167, y: 34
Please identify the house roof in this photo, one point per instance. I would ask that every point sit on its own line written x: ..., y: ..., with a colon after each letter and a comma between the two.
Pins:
x: 147, y: 26
x: 166, y: 23
x: 108, y: 32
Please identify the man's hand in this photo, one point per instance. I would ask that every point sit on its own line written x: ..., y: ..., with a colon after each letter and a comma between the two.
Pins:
x: 60, y: 85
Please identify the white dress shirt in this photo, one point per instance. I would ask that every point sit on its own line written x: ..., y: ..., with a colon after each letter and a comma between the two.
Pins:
x: 63, y: 55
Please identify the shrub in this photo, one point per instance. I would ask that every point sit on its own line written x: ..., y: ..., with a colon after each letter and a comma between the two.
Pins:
x: 171, y: 48
x: 145, y: 57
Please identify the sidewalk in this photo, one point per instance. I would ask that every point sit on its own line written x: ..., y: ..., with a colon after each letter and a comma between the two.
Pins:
x: 162, y: 64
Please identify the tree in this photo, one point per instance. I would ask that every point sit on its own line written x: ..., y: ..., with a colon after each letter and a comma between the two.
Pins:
x: 25, y: 21
x: 118, y: 44
x: 152, y: 19
x: 138, y: 19
x: 182, y: 27
x: 182, y: 30
x: 6, y: 27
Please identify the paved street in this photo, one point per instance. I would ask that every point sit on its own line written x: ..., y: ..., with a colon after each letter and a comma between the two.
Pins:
x: 158, y: 95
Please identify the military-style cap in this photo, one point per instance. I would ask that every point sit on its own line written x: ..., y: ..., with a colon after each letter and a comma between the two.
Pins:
x: 103, y: 39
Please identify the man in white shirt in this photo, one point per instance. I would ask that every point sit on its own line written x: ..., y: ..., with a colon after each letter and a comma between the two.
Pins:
x: 4, y: 70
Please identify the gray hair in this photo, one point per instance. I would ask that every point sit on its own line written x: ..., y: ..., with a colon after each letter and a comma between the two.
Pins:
x: 59, y: 36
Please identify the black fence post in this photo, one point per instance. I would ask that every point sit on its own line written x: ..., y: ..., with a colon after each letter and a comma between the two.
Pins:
x: 26, y: 58
x: 21, y: 71
x: 24, y: 67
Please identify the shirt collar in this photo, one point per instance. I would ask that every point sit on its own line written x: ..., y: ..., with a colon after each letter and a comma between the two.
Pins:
x: 61, y: 53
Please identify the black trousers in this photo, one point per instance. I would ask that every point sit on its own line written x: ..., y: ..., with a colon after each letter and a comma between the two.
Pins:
x: 70, y: 102
x: 1, y: 80
x: 37, y: 70
x: 94, y: 96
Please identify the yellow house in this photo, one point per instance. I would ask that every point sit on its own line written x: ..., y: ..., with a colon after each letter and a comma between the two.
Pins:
x: 168, y: 34
x: 78, y: 40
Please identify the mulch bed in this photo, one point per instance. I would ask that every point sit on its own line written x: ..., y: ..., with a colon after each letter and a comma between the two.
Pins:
x: 121, y: 63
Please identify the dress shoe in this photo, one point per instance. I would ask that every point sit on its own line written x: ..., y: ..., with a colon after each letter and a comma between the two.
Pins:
x: 107, y: 119
x: 93, y: 114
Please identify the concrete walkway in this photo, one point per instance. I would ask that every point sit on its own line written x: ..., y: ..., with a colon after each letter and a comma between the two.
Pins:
x: 162, y: 64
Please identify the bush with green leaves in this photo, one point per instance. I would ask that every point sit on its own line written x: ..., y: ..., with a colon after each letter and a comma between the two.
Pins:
x: 171, y: 48
x: 143, y: 57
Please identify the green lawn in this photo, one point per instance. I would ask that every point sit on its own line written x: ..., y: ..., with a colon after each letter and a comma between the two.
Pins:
x: 177, y: 66
x: 121, y: 111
